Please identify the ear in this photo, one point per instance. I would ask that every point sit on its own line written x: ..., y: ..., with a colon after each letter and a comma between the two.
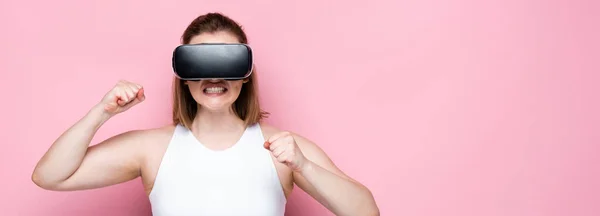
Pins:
x: 245, y: 80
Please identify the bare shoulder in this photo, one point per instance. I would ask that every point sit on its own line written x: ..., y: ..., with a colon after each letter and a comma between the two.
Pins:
x: 149, y: 135
x: 268, y: 130
x: 151, y: 139
x: 156, y: 134
x: 136, y: 143
x: 154, y: 145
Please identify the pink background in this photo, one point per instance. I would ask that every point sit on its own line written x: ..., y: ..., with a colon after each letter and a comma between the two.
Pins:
x: 440, y: 107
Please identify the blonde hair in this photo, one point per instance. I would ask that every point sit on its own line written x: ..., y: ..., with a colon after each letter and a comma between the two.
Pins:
x: 247, y: 106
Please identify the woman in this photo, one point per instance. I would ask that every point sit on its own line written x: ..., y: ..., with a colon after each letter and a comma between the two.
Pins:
x: 217, y: 158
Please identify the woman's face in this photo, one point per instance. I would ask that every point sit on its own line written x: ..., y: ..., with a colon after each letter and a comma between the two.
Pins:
x: 217, y: 94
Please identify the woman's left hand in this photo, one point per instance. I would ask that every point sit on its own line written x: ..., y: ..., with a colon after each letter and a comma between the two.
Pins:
x: 284, y: 148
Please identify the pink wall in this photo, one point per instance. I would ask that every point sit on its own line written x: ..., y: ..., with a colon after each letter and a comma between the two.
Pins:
x: 440, y: 107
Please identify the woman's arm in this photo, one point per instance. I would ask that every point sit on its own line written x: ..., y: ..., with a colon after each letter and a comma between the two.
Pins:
x: 70, y: 164
x: 317, y: 175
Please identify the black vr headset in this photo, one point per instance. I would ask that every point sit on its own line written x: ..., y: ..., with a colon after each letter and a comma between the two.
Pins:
x: 212, y: 61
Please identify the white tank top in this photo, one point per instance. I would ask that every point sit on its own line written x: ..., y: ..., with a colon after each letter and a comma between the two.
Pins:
x: 195, y: 180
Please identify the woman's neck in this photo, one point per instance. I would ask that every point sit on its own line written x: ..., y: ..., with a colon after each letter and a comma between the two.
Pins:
x: 209, y: 121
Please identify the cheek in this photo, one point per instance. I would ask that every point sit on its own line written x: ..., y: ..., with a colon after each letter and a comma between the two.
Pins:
x: 237, y: 86
x: 193, y: 86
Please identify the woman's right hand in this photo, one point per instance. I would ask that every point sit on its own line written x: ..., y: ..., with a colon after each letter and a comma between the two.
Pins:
x: 122, y: 96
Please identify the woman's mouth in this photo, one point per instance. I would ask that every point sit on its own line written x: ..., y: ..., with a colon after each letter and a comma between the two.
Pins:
x: 215, y: 90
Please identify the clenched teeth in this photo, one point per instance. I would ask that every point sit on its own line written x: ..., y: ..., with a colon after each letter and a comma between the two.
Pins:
x: 213, y: 90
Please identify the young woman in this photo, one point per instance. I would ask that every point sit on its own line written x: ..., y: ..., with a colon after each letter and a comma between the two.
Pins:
x: 217, y: 158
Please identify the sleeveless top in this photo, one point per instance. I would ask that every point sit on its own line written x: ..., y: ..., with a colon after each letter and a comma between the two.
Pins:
x: 195, y: 180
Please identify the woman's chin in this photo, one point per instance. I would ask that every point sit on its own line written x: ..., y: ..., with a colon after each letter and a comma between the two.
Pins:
x: 216, y: 107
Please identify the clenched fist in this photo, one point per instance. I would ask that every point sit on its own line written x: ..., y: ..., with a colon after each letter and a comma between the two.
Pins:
x: 122, y: 96
x: 283, y: 146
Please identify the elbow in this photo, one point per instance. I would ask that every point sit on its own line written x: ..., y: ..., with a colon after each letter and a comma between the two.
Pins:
x: 374, y: 211
x: 371, y: 210
x: 39, y: 181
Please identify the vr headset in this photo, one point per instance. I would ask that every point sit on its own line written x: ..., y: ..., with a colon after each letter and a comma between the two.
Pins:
x: 212, y: 61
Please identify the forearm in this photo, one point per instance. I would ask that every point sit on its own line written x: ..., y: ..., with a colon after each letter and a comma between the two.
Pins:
x: 340, y: 195
x: 65, y: 155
